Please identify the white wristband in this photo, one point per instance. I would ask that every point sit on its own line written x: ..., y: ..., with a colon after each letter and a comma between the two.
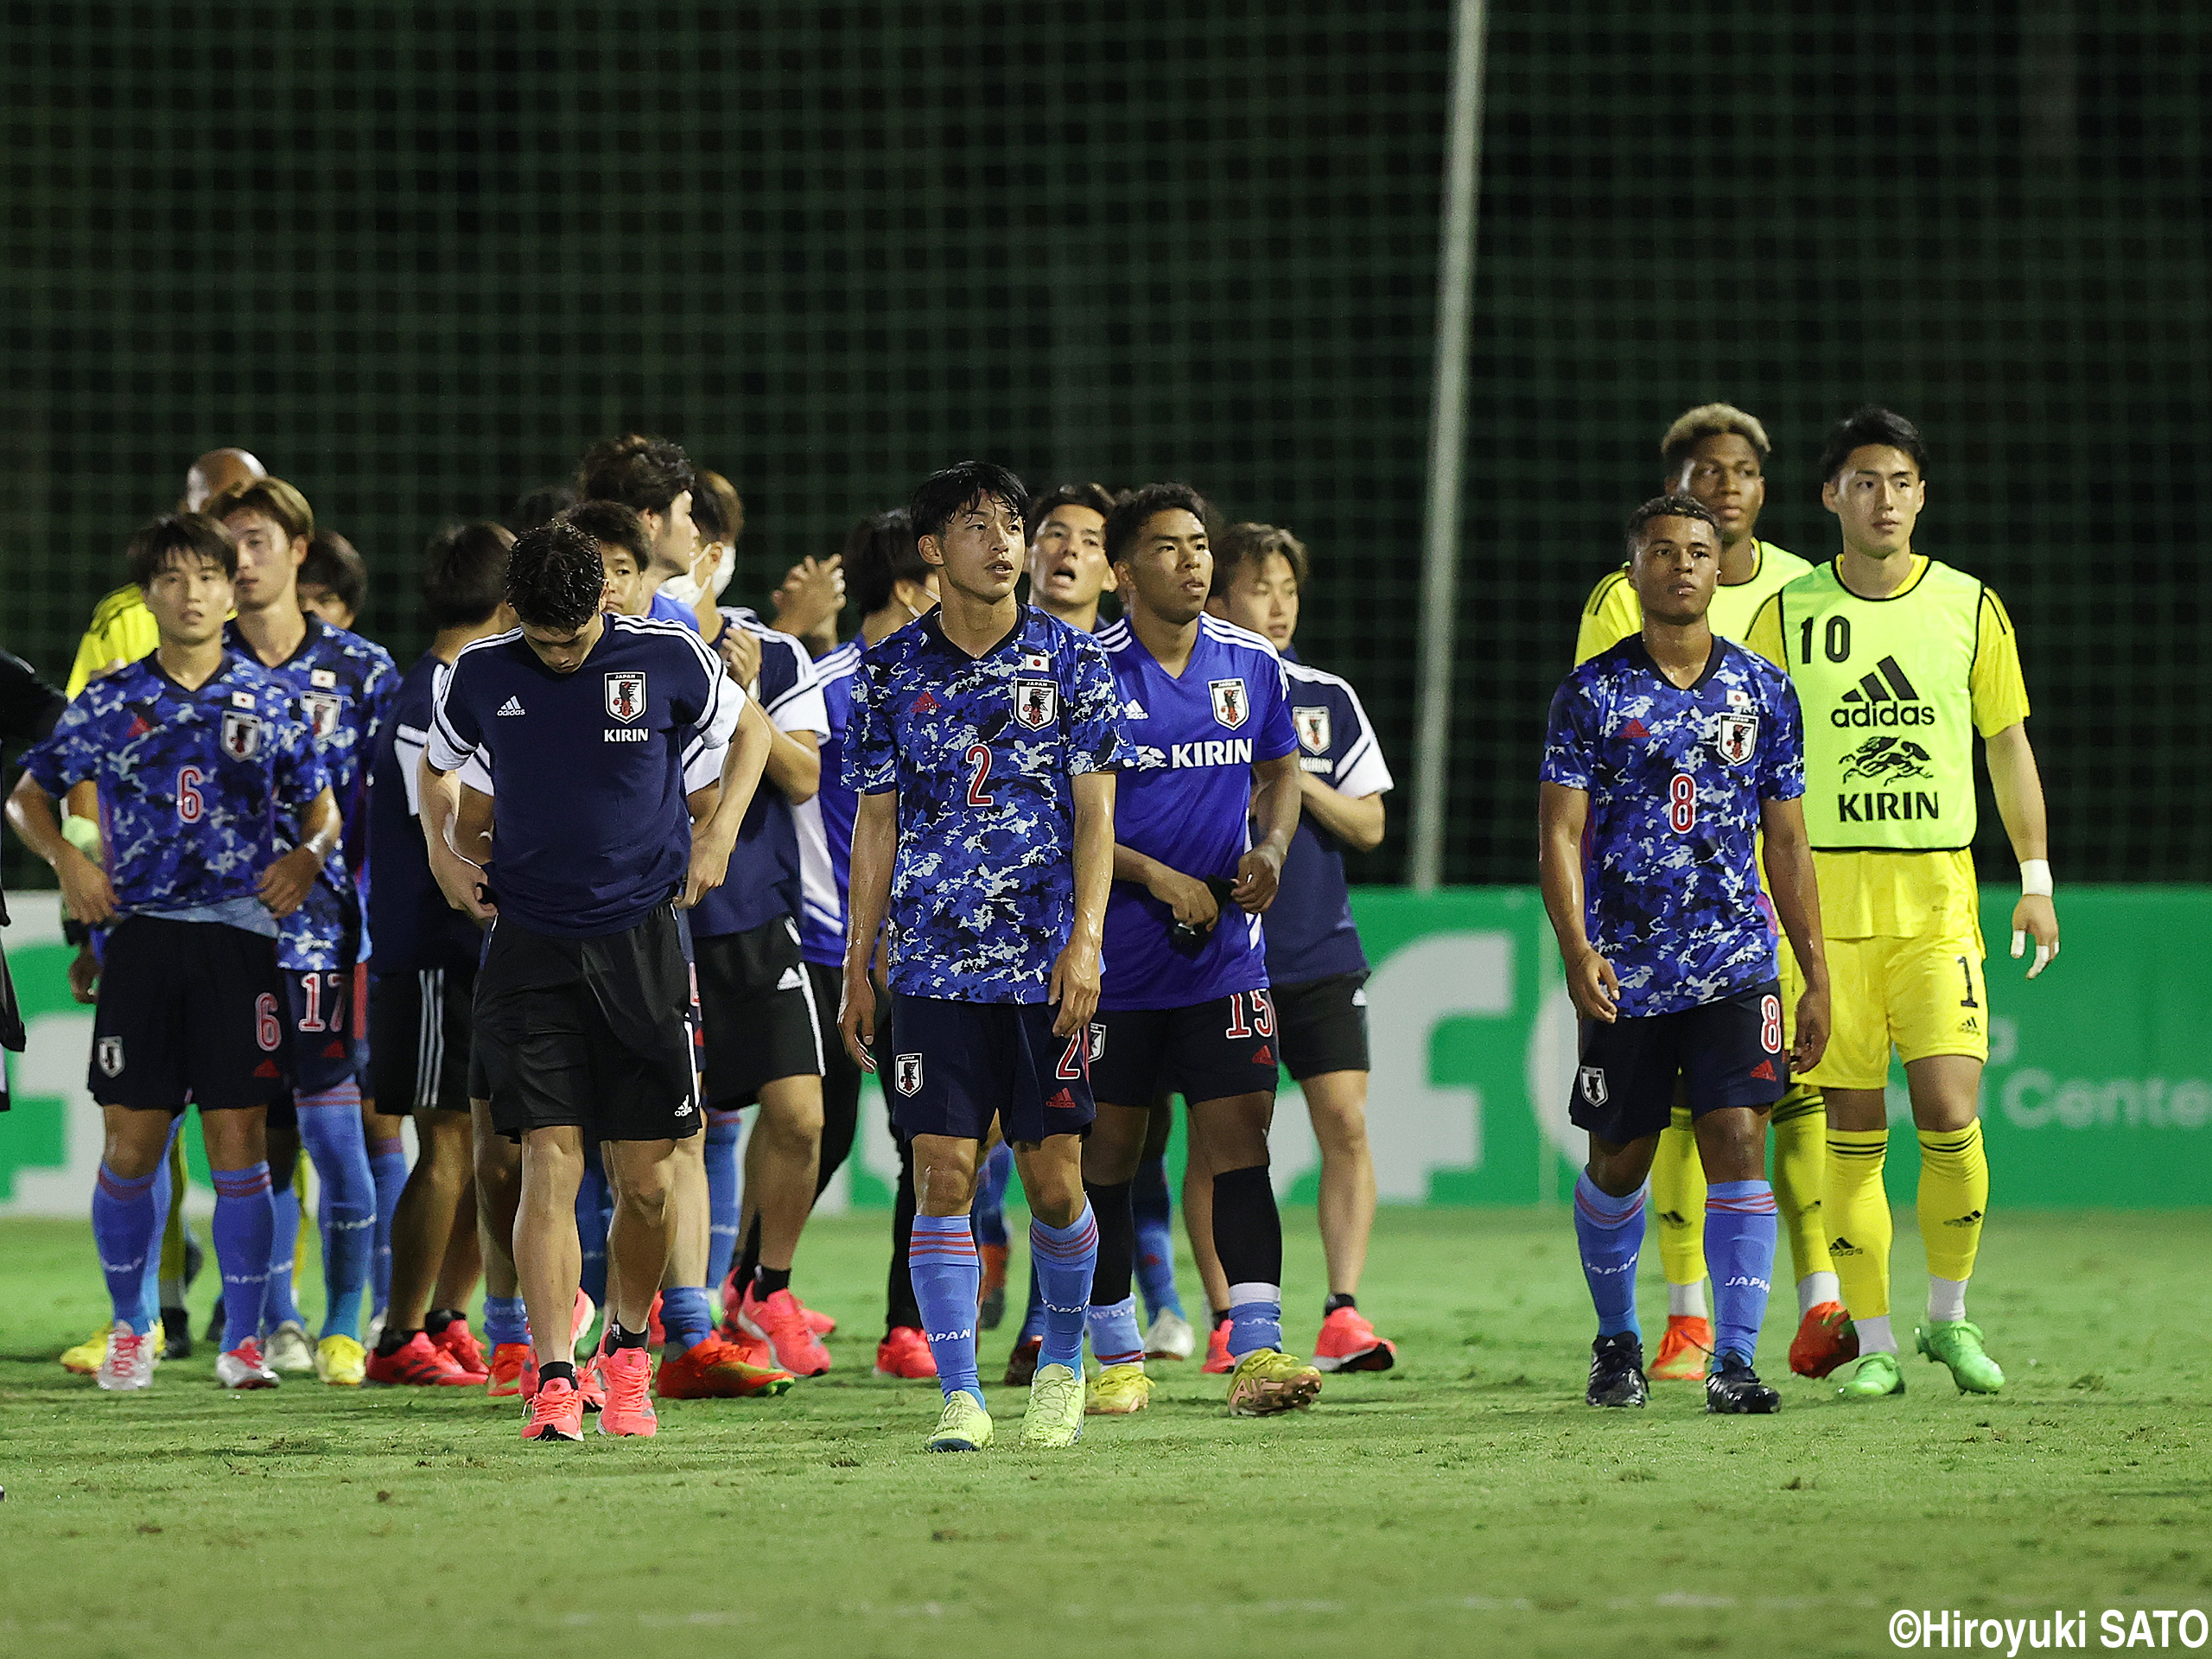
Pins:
x: 2035, y: 878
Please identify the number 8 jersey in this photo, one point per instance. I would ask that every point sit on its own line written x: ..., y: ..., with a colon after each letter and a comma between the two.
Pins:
x: 1675, y: 777
x: 984, y: 752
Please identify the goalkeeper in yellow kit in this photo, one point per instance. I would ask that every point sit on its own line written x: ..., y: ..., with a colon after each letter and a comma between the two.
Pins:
x: 1717, y: 454
x: 1899, y: 660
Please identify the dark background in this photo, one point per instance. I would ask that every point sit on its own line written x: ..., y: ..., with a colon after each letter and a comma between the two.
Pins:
x: 417, y: 258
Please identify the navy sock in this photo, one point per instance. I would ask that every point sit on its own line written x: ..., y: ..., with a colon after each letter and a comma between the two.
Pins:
x: 330, y: 1129
x: 1062, y: 1260
x: 724, y: 1129
x: 1610, y: 1232
x: 1155, y: 1237
x: 245, y: 1218
x: 124, y: 1230
x: 766, y: 1281
x: 388, y: 1170
x: 1739, y: 1233
x: 948, y: 1281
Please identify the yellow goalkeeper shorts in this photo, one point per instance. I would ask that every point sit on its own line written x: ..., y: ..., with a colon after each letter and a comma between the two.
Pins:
x: 1922, y: 996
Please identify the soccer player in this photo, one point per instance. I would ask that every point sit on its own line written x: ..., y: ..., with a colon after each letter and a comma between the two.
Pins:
x: 333, y: 581
x: 1665, y: 754
x: 654, y: 479
x: 1317, y: 973
x: 584, y: 999
x: 423, y: 960
x: 893, y: 585
x: 983, y: 742
x: 1185, y: 1008
x: 1716, y: 453
x: 1900, y: 660
x: 342, y: 686
x: 219, y: 817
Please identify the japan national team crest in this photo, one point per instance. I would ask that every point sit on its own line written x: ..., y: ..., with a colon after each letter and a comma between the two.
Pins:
x: 906, y: 1072
x: 109, y: 1053
x: 319, y: 709
x: 241, y: 735
x: 1593, y: 1085
x: 1736, y: 736
x: 625, y: 695
x: 1035, y: 703
x: 1230, y: 707
x: 1312, y: 729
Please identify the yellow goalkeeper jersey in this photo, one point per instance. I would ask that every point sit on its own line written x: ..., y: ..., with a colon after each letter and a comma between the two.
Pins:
x: 1611, y: 613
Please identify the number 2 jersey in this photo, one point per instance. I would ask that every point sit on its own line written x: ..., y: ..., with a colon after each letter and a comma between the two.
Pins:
x: 1675, y: 777
x: 984, y: 752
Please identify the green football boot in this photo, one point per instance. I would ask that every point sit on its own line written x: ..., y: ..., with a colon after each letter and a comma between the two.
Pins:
x: 964, y: 1427
x: 1870, y: 1377
x: 1957, y: 1343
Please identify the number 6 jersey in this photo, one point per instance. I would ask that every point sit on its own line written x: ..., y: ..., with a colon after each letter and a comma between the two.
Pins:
x: 1675, y: 777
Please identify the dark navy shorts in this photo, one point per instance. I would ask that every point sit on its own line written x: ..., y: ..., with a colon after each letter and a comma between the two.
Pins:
x: 1208, y: 1051
x: 954, y: 1067
x: 325, y: 1042
x: 1724, y: 1053
x: 190, y: 1011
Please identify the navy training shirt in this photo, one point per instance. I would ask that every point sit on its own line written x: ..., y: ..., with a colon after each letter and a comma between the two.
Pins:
x: 593, y: 831
x: 825, y: 823
x: 411, y: 927
x: 1309, y: 927
x: 1186, y: 801
x: 1670, y: 849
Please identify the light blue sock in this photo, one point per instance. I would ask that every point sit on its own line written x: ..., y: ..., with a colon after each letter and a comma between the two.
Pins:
x: 1033, y: 1312
x: 279, y: 1302
x: 505, y: 1319
x: 1739, y: 1234
x: 989, y: 1211
x: 124, y: 1230
x: 1114, y: 1338
x: 1610, y: 1231
x: 1061, y: 1261
x: 1155, y: 1253
x: 164, y: 1196
x: 1255, y: 1318
x: 388, y: 1168
x: 723, y: 1195
x: 948, y: 1277
x: 688, y: 1318
x: 330, y: 1129
x: 245, y: 1218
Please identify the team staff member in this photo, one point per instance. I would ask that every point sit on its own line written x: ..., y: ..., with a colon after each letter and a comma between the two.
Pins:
x: 1900, y: 660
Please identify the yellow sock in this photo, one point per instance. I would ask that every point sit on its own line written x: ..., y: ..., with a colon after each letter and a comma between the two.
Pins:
x: 1678, y: 1201
x: 1953, y: 1194
x: 1858, y: 1212
x: 1801, y: 1177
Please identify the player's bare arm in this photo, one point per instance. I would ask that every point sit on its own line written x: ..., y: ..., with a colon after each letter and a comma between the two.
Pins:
x: 739, y: 650
x: 2018, y: 785
x: 1795, y: 891
x: 286, y: 883
x: 1276, y: 802
x: 459, y: 877
x: 875, y: 844
x: 85, y: 887
x: 1355, y: 820
x: 1561, y: 815
x: 1191, y: 900
x: 742, y: 768
x: 795, y: 766
x: 1074, y: 982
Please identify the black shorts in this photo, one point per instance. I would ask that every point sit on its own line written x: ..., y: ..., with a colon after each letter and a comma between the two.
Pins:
x: 597, y: 1033
x: 320, y: 1005
x: 1324, y: 1025
x: 1724, y: 1053
x: 1208, y: 1051
x: 419, y: 1029
x: 954, y: 1066
x: 190, y: 1011
x: 364, y: 1071
x: 756, y: 1002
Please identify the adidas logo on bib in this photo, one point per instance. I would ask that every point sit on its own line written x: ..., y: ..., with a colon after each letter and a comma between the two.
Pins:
x: 511, y: 706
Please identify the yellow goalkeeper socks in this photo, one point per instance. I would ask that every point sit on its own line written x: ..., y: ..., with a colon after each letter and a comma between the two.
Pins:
x: 1953, y: 1194
x: 1801, y: 1178
x: 1677, y: 1202
x: 1857, y: 1210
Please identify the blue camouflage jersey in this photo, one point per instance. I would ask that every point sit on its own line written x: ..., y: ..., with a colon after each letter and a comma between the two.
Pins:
x: 1675, y: 779
x: 984, y: 752
x: 200, y: 791
x: 825, y: 823
x: 1186, y: 800
x: 1309, y: 927
x: 342, y: 687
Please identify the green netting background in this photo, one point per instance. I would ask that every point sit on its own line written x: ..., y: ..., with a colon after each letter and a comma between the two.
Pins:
x: 416, y: 258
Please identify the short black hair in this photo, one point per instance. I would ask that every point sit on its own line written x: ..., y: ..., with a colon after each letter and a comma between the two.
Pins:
x: 465, y: 575
x: 1134, y: 510
x: 540, y: 506
x: 1255, y: 544
x: 614, y: 526
x: 645, y: 474
x: 879, y: 554
x: 1872, y: 424
x: 554, y: 577
x: 940, y: 495
x: 1667, y: 506
x: 192, y: 534
x: 1096, y: 497
x: 333, y: 566
x: 717, y: 509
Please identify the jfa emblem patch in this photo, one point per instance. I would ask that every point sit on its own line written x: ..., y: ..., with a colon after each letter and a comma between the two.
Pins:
x: 1736, y: 736
x: 1593, y: 1085
x: 1229, y: 705
x: 321, y: 709
x: 1035, y: 703
x: 906, y: 1072
x: 108, y: 1052
x: 1098, y: 1051
x: 1313, y: 726
x: 241, y: 735
x: 625, y: 695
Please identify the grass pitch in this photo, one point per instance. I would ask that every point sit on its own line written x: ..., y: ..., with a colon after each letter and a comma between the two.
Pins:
x: 1465, y: 1502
